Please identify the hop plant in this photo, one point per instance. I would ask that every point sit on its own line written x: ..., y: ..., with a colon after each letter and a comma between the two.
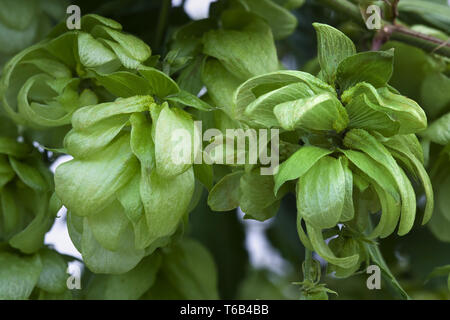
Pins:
x: 122, y: 183
x: 347, y: 146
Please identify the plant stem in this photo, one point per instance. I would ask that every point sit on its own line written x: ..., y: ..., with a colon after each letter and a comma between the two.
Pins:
x: 377, y: 257
x: 162, y: 22
x: 392, y: 31
x: 308, y: 265
x: 423, y: 41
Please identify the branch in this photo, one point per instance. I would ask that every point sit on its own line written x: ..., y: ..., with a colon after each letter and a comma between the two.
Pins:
x: 423, y: 41
x: 389, y: 31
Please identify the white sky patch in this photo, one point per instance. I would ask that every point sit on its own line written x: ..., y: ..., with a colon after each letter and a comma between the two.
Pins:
x: 176, y: 3
x: 197, y: 9
x: 261, y: 253
x: 58, y: 236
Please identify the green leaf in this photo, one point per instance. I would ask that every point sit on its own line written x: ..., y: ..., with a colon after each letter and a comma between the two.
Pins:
x: 108, y: 224
x: 18, y: 275
x: 365, y: 115
x: 50, y: 66
x: 59, y: 109
x: 101, y: 260
x: 319, y: 245
x: 62, y: 47
x: 246, y: 52
x: 318, y: 113
x: 188, y: 99
x: 13, y: 148
x: 133, y: 46
x: 298, y: 164
x: 410, y: 115
x: 75, y: 229
x: 175, y: 145
x: 333, y: 47
x: 123, y: 83
x: 141, y: 141
x: 257, y: 199
x: 128, y: 286
x: 257, y: 86
x: 220, y: 83
x: 190, y: 78
x: 400, y: 146
x: 226, y: 193
x: 345, y: 247
x: 443, y: 200
x: 88, y: 185
x: 121, y: 53
x: 31, y: 238
x: 390, y: 214
x: 439, y: 225
x: 374, y: 67
x: 348, y: 211
x: 321, y: 193
x: 87, y: 116
x: 161, y: 84
x: 377, y: 257
x: 10, y: 212
x: 370, y: 168
x: 280, y: 20
x: 204, y: 173
x: 29, y: 175
x: 18, y: 31
x: 261, y: 111
x: 18, y: 15
x: 53, y: 276
x: 433, y: 92
x: 130, y: 199
x: 89, y: 141
x: 405, y: 112
x: 166, y: 200
x: 439, y: 130
x: 89, y: 21
x: 190, y: 271
x: 93, y: 53
x: 362, y: 140
x: 440, y: 271
x: 435, y: 14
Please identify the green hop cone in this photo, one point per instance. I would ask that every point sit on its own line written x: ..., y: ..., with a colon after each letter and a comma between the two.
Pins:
x: 43, y: 85
x: 357, y: 137
x: 125, y: 189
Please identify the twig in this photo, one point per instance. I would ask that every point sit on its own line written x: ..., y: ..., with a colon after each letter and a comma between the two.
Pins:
x: 162, y: 22
x: 395, y: 31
